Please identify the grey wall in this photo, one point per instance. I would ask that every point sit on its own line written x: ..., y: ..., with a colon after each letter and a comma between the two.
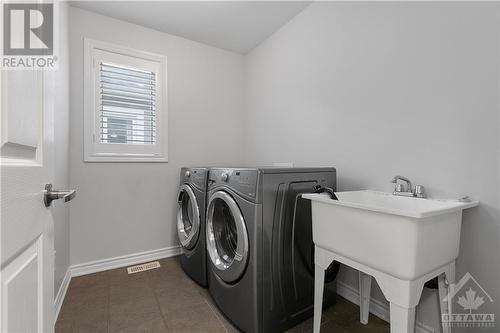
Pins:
x: 379, y: 89
x: 60, y: 211
x: 125, y: 208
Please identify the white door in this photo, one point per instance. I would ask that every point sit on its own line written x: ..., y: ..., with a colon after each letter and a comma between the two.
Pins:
x: 27, y: 238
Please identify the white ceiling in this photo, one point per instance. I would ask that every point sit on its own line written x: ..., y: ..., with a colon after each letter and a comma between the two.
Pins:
x: 237, y: 26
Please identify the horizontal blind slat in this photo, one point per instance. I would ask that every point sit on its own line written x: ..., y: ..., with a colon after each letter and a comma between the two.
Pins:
x: 127, y: 83
x: 129, y: 94
x: 141, y: 101
x: 125, y: 109
x: 128, y: 141
x: 108, y: 124
x: 119, y: 77
x: 136, y: 97
x: 128, y: 115
x: 118, y: 128
x: 124, y: 69
x: 128, y: 105
x: 138, y: 130
x: 135, y: 135
x: 105, y: 85
x: 127, y: 76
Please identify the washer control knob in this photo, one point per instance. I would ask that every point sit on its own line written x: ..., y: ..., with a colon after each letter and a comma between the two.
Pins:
x: 188, y: 174
x: 224, y: 177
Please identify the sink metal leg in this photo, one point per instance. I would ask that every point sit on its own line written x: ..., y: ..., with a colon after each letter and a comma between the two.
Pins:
x: 319, y: 283
x: 402, y: 319
x: 365, y: 283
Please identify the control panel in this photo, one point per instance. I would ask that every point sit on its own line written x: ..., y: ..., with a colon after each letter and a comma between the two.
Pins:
x: 195, y: 176
x: 240, y: 180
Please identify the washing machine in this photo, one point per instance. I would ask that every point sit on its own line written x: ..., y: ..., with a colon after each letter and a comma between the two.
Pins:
x: 259, y: 245
x: 192, y: 198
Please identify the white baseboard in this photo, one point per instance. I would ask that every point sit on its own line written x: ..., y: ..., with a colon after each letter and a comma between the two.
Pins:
x: 377, y: 308
x: 61, y: 293
x: 122, y: 261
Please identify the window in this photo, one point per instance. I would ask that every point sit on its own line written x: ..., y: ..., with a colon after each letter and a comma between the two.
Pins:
x: 125, y: 104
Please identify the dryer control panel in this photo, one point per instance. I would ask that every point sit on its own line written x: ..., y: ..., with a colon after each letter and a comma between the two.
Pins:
x: 195, y: 176
x: 243, y: 181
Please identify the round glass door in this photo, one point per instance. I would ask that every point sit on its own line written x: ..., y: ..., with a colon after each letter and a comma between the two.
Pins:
x: 188, y: 217
x: 227, y: 238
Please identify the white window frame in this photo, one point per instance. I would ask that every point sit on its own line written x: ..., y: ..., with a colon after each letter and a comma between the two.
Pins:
x: 94, y: 150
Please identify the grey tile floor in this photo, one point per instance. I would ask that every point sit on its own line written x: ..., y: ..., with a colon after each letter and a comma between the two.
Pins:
x: 166, y: 300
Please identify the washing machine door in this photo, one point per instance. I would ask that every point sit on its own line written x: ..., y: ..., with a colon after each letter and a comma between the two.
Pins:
x: 227, y: 238
x: 188, y: 217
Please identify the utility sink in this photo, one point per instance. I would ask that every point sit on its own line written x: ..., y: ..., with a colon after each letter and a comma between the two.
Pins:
x: 404, y: 237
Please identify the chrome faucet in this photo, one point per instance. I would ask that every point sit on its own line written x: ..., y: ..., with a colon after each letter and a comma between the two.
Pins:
x: 405, y: 188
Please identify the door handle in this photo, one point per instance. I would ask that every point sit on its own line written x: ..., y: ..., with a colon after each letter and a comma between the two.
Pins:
x: 51, y: 195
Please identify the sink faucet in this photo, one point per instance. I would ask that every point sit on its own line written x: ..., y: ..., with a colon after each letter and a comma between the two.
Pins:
x: 407, y: 190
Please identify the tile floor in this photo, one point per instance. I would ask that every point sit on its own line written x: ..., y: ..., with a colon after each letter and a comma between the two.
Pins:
x: 166, y: 300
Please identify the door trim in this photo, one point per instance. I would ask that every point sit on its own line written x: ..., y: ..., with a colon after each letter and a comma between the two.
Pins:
x: 61, y: 293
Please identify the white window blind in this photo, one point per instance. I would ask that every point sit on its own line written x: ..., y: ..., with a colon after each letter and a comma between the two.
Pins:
x: 127, y: 105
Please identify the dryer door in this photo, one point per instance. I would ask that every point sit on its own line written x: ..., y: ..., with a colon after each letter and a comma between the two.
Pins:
x: 188, y: 217
x: 227, y: 238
